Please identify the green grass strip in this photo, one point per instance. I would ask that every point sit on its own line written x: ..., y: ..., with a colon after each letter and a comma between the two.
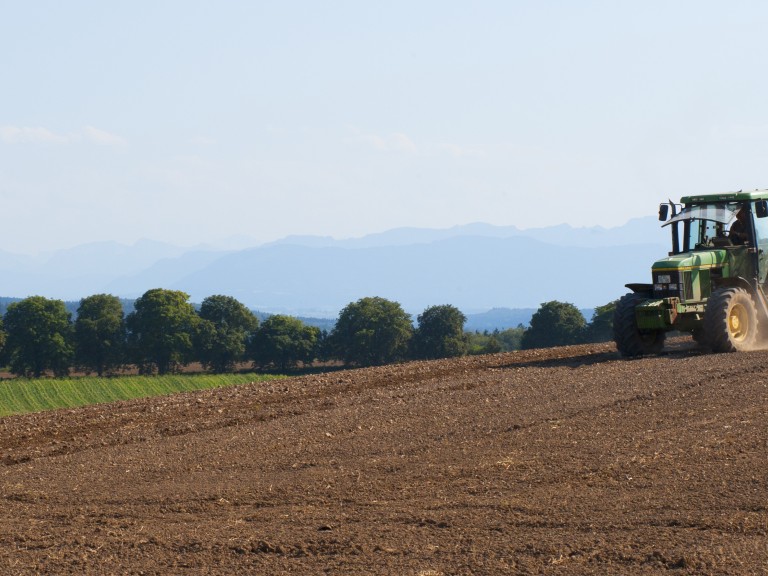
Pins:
x: 20, y: 395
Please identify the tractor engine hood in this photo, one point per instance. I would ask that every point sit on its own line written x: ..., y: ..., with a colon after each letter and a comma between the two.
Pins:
x: 692, y: 261
x: 687, y: 277
x: 691, y: 273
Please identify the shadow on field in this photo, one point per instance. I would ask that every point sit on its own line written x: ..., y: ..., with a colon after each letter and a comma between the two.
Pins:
x: 674, y: 348
x: 569, y: 361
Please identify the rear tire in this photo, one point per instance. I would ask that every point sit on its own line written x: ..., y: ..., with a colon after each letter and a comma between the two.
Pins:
x: 630, y: 341
x: 730, y: 321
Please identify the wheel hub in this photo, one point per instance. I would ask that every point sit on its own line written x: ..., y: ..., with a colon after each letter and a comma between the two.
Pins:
x: 738, y: 322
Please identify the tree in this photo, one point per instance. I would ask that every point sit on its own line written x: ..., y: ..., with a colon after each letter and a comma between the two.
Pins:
x: 283, y: 342
x: 440, y: 333
x: 38, y: 337
x: 371, y: 331
x: 223, y: 332
x: 161, y: 330
x: 100, y: 334
x: 554, y: 324
x: 600, y: 328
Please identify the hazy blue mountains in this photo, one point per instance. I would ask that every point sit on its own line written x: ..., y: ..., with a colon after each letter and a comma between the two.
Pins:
x: 475, y: 267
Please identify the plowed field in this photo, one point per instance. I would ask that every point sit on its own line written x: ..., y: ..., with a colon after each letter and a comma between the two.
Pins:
x: 562, y: 461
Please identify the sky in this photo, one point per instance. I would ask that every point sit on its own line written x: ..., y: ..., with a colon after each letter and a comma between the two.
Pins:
x: 195, y: 122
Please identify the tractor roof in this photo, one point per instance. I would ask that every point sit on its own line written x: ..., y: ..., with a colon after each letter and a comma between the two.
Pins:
x: 739, y: 196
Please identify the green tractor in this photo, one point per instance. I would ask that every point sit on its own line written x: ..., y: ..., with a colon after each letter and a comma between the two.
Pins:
x: 712, y: 284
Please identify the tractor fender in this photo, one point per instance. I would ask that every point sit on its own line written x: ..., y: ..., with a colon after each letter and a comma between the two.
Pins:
x: 733, y: 282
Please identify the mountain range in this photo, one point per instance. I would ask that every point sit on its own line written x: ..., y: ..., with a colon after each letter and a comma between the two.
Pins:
x: 475, y: 267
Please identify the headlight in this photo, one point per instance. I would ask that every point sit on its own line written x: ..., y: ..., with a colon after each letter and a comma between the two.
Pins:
x: 664, y: 278
x: 658, y: 287
x: 673, y: 286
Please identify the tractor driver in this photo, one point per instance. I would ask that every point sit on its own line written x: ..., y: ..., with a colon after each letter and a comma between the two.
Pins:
x: 739, y: 232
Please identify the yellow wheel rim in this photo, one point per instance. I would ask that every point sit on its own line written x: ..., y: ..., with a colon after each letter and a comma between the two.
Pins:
x: 738, y: 322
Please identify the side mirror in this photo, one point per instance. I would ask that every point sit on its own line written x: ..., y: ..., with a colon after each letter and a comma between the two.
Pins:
x: 761, y: 208
x: 664, y: 212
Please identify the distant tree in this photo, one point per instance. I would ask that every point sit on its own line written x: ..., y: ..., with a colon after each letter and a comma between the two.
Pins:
x: 2, y: 343
x: 600, y: 328
x: 100, y: 334
x: 283, y: 342
x: 38, y: 337
x: 482, y: 343
x: 511, y: 338
x: 554, y: 324
x: 4, y: 302
x: 440, y: 333
x: 372, y: 331
x: 225, y: 327
x: 161, y: 330
x: 323, y: 350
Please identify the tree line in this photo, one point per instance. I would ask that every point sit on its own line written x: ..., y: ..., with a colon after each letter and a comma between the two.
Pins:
x: 165, y: 332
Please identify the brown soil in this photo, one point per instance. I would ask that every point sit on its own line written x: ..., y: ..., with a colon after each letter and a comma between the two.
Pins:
x: 562, y: 461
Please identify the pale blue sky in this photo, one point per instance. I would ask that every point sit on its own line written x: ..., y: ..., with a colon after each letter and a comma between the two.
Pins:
x: 190, y: 122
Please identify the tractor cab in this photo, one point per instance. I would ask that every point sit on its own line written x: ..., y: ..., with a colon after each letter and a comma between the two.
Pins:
x: 704, y: 225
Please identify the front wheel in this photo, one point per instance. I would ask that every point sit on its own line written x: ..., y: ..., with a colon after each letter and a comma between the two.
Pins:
x: 630, y: 340
x: 730, y: 321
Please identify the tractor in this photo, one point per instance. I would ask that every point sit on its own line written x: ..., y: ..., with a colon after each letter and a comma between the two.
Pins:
x: 711, y: 285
